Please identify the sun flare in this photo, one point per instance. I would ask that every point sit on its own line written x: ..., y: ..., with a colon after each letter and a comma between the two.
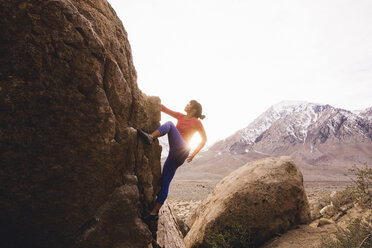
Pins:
x: 195, y: 141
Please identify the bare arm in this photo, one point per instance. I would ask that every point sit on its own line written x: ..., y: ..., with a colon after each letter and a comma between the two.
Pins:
x: 171, y: 112
x: 201, y: 144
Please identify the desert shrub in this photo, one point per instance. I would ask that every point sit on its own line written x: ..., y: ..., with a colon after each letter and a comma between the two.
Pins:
x: 325, y: 201
x: 236, y: 235
x: 315, y: 213
x: 362, y: 188
x: 358, y: 234
x: 344, y: 197
x: 359, y: 192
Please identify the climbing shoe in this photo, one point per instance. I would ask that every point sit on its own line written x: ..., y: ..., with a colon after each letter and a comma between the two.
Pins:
x: 145, y: 136
x: 150, y: 217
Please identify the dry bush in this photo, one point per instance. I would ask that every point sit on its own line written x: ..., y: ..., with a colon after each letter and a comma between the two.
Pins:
x: 315, y: 208
x: 237, y: 235
x: 362, y: 188
x: 315, y: 213
x: 358, y: 234
x: 344, y: 197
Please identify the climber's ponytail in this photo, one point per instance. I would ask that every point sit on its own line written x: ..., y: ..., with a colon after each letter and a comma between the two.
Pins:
x: 197, y: 106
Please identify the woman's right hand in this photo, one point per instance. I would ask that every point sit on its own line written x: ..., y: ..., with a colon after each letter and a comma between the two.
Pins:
x: 190, y: 158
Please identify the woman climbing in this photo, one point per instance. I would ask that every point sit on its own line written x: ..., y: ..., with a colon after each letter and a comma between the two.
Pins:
x: 178, y: 137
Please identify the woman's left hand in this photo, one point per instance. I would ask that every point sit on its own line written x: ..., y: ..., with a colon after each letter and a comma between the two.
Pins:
x: 189, y: 159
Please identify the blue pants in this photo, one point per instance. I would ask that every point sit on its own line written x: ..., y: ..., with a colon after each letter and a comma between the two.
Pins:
x: 178, y: 152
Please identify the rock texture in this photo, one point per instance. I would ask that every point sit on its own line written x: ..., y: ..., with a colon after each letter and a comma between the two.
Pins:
x: 73, y: 172
x: 168, y: 234
x: 250, y: 205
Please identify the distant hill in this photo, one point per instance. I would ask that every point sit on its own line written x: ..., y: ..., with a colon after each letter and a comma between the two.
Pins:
x: 323, y: 140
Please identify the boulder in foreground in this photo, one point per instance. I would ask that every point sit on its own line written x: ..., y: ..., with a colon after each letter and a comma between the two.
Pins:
x: 251, y: 205
x: 168, y: 233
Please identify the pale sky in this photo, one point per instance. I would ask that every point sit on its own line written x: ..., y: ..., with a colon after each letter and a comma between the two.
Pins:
x: 239, y: 57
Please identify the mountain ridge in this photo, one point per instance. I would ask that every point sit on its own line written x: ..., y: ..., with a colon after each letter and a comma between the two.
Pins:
x: 253, y: 131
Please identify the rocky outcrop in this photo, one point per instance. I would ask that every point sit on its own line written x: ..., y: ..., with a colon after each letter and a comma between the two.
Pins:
x: 73, y: 172
x: 168, y: 234
x: 250, y: 205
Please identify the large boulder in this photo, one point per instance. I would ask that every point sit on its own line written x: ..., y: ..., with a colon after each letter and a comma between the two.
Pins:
x: 250, y: 205
x: 169, y: 234
x: 73, y: 172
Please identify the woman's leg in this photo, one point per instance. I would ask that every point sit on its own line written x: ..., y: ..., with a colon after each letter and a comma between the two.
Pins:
x: 177, y: 155
x: 169, y: 169
x: 167, y: 127
x: 156, y: 208
x: 174, y: 137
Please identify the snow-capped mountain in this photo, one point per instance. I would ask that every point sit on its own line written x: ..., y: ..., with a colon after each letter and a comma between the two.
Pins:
x: 318, y: 137
x: 293, y: 123
x: 367, y: 113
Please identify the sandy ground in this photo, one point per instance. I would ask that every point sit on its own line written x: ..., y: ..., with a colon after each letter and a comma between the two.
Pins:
x: 310, y: 236
x: 185, y: 196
